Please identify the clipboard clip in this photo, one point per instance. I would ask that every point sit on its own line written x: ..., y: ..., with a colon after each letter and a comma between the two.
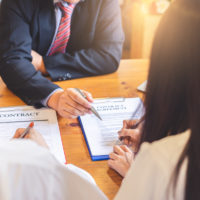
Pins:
x: 109, y: 99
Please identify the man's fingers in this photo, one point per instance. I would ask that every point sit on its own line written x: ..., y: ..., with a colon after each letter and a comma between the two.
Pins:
x: 32, y: 53
x: 73, y: 111
x: 69, y: 103
x: 88, y: 96
x: 66, y: 114
x: 76, y: 106
x: 78, y: 98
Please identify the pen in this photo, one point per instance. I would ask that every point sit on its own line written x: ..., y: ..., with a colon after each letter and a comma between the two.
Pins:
x: 26, y: 131
x: 92, y: 108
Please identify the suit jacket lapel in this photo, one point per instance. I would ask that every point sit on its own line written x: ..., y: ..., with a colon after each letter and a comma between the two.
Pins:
x: 47, y: 25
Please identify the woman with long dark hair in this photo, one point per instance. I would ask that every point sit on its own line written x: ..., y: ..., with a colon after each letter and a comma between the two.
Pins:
x: 167, y: 165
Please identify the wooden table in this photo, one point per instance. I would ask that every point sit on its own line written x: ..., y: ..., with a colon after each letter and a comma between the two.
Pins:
x: 122, y: 83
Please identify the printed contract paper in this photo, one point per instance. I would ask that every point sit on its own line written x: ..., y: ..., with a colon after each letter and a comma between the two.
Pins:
x: 45, y: 120
x: 102, y: 135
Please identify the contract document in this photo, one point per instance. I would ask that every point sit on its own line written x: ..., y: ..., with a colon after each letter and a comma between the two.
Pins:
x: 45, y: 122
x: 100, y: 135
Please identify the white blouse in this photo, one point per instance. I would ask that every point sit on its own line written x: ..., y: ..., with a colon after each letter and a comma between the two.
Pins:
x: 30, y: 172
x: 150, y: 174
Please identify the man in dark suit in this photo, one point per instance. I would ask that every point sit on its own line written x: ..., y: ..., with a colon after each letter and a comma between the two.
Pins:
x: 29, y: 30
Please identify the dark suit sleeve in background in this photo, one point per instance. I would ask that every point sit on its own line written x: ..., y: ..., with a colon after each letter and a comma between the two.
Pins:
x: 15, y: 47
x: 101, y: 58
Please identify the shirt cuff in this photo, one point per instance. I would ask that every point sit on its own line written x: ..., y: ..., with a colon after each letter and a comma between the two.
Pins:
x: 44, y: 101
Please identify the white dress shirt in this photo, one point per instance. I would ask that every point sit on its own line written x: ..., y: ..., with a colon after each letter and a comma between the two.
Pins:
x: 58, y: 15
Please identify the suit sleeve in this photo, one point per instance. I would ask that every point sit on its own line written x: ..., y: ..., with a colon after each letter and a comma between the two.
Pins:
x: 16, y: 69
x: 101, y: 58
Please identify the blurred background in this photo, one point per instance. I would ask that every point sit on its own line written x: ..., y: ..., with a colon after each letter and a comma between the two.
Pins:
x: 140, y: 19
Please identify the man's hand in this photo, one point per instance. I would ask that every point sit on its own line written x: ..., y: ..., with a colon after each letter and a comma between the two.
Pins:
x: 70, y: 104
x: 32, y: 135
x: 121, y: 159
x: 38, y: 62
x: 134, y: 135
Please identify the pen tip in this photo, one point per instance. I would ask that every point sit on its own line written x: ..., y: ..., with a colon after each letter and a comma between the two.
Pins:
x: 31, y: 125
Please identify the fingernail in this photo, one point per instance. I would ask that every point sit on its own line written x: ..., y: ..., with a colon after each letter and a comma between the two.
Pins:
x: 89, y: 106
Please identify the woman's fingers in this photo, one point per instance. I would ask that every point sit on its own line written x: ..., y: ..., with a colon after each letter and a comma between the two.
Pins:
x: 129, y: 123
x: 120, y: 159
x: 126, y: 149
x: 118, y: 150
x: 18, y: 133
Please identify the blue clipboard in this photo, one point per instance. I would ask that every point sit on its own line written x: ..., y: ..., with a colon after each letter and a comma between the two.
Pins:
x: 94, y: 158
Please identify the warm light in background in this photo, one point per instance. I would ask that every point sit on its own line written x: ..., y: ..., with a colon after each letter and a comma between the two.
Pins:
x: 140, y: 20
x: 154, y: 6
x: 145, y: 8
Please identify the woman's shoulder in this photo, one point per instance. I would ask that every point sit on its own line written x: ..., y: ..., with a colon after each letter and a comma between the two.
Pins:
x: 152, y: 169
x: 166, y: 152
x: 168, y: 146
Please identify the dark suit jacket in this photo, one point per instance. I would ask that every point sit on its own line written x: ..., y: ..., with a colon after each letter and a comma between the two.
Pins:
x: 94, y: 47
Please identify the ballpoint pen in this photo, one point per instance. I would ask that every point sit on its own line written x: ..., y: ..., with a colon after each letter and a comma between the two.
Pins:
x: 26, y: 131
x: 92, y: 108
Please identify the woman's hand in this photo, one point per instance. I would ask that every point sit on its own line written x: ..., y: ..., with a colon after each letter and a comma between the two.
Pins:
x: 131, y: 136
x: 121, y: 159
x: 32, y: 135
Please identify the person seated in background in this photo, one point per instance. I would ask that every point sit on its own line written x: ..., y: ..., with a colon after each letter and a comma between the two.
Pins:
x: 62, y: 39
x: 167, y: 165
x: 29, y: 171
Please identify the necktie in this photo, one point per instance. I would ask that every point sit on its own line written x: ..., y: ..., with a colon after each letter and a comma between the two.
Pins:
x: 63, y: 33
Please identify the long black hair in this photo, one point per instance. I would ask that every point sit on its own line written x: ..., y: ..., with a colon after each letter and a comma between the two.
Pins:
x: 173, y: 91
